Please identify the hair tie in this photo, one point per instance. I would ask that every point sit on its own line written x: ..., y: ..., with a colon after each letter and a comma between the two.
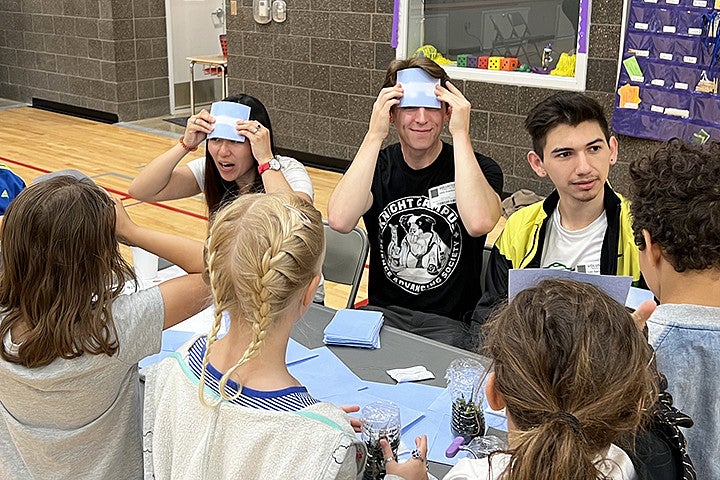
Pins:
x: 567, y: 418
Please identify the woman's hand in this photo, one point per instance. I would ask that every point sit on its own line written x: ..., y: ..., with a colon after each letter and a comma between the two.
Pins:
x: 197, y: 129
x: 413, y: 469
x: 259, y: 137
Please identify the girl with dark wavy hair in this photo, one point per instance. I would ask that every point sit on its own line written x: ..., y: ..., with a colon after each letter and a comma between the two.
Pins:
x: 70, y: 395
x: 230, y: 168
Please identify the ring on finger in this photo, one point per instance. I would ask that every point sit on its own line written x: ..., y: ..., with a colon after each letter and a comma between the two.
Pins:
x: 417, y: 455
x: 388, y: 460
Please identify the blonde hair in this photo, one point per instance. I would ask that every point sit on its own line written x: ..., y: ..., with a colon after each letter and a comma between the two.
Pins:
x: 263, y: 250
x: 574, y: 372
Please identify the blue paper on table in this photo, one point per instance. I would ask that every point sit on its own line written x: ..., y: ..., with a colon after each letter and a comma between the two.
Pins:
x: 354, y: 328
x: 297, y: 352
x: 325, y: 374
x: 414, y: 395
x: 615, y: 286
x: 436, y: 426
x: 171, y: 341
x: 174, y: 339
x: 151, y: 359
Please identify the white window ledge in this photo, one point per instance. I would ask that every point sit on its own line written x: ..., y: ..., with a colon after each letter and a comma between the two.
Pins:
x: 522, y: 79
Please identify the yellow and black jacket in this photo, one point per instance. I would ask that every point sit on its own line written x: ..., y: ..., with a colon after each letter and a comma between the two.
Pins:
x: 521, y: 243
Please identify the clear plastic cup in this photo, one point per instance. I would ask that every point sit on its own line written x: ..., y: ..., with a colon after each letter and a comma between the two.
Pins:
x: 464, y: 377
x: 145, y: 264
x: 379, y: 420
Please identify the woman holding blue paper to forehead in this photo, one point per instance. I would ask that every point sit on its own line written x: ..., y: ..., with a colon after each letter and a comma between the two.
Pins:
x: 239, y: 159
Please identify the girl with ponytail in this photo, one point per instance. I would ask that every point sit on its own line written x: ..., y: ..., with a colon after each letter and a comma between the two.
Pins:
x: 573, y: 372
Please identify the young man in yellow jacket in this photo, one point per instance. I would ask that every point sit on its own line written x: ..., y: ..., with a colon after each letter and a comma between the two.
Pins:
x: 583, y: 225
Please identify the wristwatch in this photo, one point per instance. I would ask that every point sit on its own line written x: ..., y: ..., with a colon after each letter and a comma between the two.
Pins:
x: 273, y: 164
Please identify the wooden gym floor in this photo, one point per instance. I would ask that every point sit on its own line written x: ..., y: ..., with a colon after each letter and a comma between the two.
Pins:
x: 35, y: 142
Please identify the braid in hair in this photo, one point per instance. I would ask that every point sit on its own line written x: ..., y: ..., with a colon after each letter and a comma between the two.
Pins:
x: 263, y: 251
x: 221, y: 287
x: 261, y: 308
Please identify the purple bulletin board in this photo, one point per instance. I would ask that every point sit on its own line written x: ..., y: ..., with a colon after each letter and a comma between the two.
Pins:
x: 669, y: 73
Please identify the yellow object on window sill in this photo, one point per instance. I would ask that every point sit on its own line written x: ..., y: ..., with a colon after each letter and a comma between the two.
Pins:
x: 431, y: 52
x: 565, y: 66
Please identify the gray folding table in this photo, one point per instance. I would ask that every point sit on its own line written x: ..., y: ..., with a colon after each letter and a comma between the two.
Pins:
x: 399, y: 349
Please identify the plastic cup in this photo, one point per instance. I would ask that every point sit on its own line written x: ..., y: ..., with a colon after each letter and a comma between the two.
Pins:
x: 145, y: 264
x: 379, y: 420
x: 464, y: 378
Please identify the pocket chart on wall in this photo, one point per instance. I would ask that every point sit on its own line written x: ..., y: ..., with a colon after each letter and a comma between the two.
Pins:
x: 668, y: 84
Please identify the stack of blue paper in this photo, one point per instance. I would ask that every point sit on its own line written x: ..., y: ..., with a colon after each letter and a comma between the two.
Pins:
x: 354, y: 328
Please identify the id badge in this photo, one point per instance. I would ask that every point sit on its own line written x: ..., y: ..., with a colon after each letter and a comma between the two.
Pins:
x: 442, y: 195
x: 593, y: 268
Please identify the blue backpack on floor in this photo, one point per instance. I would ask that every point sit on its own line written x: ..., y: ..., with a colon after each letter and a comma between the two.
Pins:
x: 10, y: 186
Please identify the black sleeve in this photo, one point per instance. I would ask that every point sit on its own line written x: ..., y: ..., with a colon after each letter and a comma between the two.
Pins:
x: 492, y: 171
x: 496, y: 289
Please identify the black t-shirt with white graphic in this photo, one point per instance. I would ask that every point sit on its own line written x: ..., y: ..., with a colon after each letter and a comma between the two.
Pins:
x: 421, y: 255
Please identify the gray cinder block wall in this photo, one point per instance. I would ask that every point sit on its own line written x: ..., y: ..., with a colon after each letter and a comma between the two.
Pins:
x: 107, y: 55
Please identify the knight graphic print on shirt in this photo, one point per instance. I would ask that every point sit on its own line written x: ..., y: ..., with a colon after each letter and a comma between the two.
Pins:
x: 420, y: 245
x: 421, y: 256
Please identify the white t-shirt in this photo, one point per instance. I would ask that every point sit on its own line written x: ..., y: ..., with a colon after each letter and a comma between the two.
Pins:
x: 296, y: 176
x: 614, y: 465
x: 577, y: 250
x: 293, y: 171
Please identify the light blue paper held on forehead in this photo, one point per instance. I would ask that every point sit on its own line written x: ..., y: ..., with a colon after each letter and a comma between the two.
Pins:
x: 226, y: 115
x: 418, y: 87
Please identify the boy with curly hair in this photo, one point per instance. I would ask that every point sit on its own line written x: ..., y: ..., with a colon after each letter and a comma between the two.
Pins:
x: 675, y: 206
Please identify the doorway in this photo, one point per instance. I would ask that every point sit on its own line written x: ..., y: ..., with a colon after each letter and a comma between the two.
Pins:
x: 193, y: 28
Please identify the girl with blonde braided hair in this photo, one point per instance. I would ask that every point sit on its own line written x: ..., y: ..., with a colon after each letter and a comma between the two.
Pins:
x: 252, y: 418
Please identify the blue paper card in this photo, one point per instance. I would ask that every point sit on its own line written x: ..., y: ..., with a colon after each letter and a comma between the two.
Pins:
x: 615, y: 286
x: 418, y: 88
x: 226, y: 115
x: 636, y: 296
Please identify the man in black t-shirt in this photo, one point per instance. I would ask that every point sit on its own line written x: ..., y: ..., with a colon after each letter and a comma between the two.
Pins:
x: 427, y: 205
